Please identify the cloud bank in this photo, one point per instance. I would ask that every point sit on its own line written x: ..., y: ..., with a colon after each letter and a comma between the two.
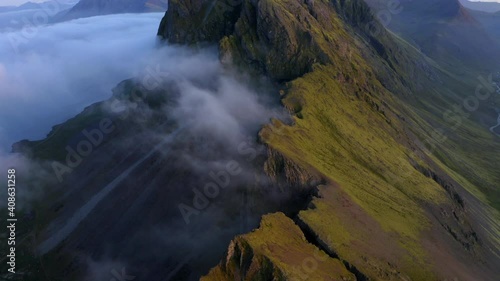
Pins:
x: 59, y: 69
x: 68, y: 66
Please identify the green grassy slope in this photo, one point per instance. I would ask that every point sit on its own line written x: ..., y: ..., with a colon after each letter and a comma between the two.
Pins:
x: 406, y: 193
x: 277, y: 250
x: 366, y: 110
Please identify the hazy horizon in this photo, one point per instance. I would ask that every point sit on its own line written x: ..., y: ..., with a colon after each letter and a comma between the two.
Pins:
x: 62, y: 60
x: 19, y: 2
x: 15, y: 3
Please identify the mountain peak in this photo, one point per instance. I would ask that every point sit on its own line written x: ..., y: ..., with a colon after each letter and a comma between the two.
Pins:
x: 282, y: 39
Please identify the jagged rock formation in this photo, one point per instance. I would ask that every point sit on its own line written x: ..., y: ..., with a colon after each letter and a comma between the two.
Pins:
x: 389, y: 208
x: 281, y: 39
x: 277, y: 250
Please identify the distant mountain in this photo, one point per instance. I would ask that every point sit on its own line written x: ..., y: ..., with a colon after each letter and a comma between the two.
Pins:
x: 490, y: 21
x: 25, y: 6
x: 63, y: 4
x: 445, y: 31
x: 11, y: 18
x: 88, y: 8
x: 29, y: 5
x: 490, y: 7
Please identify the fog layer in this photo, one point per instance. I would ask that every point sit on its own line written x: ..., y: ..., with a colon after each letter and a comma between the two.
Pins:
x: 50, y: 73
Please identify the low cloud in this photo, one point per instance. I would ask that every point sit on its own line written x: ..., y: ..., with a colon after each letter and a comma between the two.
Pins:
x: 31, y: 176
x: 59, y: 69
x: 68, y: 66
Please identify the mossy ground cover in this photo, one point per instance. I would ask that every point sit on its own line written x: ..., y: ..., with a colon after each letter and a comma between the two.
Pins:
x: 348, y: 127
x: 353, y: 145
x: 280, y: 244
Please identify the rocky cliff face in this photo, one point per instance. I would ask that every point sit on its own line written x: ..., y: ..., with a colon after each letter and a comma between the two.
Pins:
x: 282, y: 39
x: 278, y: 251
x: 388, y: 208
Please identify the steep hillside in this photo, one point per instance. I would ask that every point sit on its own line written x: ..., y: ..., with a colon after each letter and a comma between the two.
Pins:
x: 382, y: 184
x: 148, y: 173
x: 490, y: 21
x: 443, y: 30
x: 278, y: 250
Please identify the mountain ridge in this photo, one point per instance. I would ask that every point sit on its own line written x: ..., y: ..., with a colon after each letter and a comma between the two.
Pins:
x: 249, y: 45
x: 377, y: 185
